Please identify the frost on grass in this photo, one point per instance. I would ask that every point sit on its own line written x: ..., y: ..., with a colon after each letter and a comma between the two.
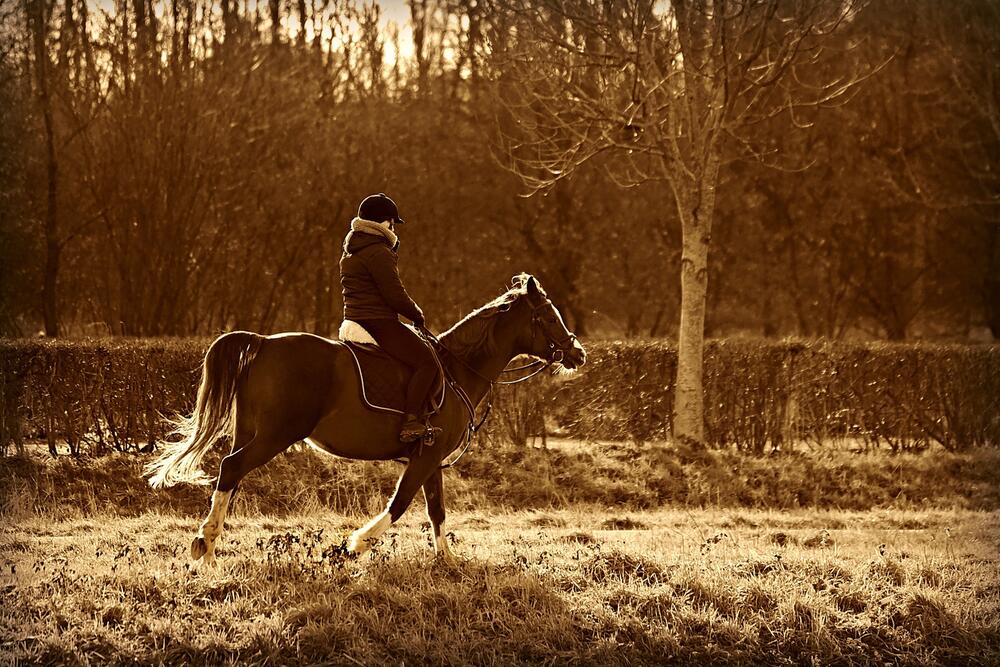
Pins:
x: 113, y: 591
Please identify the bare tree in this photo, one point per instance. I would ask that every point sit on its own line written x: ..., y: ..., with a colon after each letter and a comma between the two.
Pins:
x: 39, y: 13
x: 207, y: 157
x: 666, y: 87
x: 966, y: 31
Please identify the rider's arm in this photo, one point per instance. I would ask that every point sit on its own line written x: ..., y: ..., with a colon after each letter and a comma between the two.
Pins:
x: 382, y: 265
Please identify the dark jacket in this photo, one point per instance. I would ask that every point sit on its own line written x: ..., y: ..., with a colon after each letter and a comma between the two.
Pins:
x: 370, y: 280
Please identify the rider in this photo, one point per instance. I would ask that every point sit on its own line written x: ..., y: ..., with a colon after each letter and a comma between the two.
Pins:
x: 374, y: 297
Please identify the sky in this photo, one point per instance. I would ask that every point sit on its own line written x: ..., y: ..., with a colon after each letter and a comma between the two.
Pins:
x: 393, y: 11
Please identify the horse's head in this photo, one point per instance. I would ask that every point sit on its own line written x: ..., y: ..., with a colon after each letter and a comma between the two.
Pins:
x: 548, y: 338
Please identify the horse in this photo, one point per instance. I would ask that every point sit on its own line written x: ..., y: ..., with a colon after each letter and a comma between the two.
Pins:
x: 269, y: 392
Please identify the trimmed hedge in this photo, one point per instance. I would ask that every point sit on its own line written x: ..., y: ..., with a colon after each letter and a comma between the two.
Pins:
x: 764, y: 394
x: 96, y: 394
x: 110, y: 394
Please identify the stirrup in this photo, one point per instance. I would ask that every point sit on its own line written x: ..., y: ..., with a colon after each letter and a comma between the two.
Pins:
x: 415, y: 430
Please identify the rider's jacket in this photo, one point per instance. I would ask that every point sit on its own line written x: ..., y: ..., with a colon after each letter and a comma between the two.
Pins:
x: 370, y: 280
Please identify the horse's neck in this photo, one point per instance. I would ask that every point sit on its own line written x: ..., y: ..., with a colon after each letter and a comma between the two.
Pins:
x: 477, y: 373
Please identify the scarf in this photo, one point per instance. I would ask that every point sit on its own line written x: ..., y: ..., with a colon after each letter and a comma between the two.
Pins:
x: 369, y: 227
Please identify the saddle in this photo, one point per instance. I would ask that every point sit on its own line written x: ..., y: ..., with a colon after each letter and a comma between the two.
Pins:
x: 382, y: 380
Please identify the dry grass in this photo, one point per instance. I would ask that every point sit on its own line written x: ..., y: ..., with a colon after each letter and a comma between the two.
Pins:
x: 620, y: 475
x: 851, y: 588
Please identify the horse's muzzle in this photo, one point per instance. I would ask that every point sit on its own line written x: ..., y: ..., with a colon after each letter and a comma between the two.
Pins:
x: 572, y: 358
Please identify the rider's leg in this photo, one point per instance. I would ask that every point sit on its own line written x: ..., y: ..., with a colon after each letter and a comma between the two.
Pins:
x: 400, y: 342
x: 421, y: 384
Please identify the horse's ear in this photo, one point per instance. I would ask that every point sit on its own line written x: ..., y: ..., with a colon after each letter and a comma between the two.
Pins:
x: 526, y: 282
x: 532, y: 285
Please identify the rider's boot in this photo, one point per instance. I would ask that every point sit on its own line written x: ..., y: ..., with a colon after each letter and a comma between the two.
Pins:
x: 413, y: 429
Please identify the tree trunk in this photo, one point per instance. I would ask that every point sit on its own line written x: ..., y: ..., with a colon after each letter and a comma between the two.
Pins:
x: 302, y: 22
x: 50, y: 305
x: 991, y: 283
x: 50, y: 285
x: 275, y: 12
x: 697, y: 205
x: 418, y: 17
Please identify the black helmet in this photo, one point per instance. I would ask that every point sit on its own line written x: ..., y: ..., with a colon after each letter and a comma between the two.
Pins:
x: 379, y: 208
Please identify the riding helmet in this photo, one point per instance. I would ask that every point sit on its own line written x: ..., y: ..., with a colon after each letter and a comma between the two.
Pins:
x: 379, y: 208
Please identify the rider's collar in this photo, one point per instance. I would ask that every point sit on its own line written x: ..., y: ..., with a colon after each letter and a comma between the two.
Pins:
x: 369, y: 227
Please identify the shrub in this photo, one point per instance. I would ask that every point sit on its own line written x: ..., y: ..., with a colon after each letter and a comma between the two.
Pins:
x: 763, y: 394
x: 109, y: 394
x: 105, y: 394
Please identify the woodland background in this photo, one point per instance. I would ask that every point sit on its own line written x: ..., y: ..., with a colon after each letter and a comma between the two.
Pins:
x: 177, y: 168
x: 182, y: 168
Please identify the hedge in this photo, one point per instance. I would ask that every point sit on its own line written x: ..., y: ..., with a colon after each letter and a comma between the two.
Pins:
x: 764, y: 394
x: 102, y: 394
x: 111, y: 394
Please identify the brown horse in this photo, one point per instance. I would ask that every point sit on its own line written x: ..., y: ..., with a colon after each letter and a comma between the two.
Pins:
x: 270, y: 392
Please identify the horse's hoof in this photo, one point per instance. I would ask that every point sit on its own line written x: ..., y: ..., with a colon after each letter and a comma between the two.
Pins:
x: 357, y: 545
x: 198, y: 548
x: 447, y: 557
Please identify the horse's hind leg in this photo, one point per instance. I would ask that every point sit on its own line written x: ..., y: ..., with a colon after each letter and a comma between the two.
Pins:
x: 204, y: 543
x: 254, y: 452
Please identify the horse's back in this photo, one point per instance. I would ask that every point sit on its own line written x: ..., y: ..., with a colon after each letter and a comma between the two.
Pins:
x: 296, y: 374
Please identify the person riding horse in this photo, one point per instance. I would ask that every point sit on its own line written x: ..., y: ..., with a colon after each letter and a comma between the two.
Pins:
x: 374, y: 297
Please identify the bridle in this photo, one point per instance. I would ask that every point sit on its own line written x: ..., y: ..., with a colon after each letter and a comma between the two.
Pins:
x: 557, y: 350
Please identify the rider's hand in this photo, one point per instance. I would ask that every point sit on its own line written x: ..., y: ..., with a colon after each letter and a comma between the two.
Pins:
x: 419, y: 322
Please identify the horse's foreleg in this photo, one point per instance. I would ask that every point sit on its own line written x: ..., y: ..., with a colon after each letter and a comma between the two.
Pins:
x: 413, y: 477
x: 434, y: 498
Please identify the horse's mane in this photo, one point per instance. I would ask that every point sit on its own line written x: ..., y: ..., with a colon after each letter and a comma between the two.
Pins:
x: 474, y: 333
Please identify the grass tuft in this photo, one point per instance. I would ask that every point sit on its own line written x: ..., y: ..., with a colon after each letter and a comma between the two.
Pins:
x: 623, y: 567
x: 886, y: 572
x: 627, y: 476
x: 782, y: 539
x: 623, y: 523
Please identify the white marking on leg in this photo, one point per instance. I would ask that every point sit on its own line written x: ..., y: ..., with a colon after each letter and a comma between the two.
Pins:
x: 363, y: 538
x: 212, y: 526
x: 441, y: 543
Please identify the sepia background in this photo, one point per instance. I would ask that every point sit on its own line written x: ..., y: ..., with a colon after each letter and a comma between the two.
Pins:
x: 183, y: 168
x: 773, y: 225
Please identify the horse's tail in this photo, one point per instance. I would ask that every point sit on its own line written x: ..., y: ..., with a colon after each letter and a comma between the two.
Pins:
x: 225, y: 364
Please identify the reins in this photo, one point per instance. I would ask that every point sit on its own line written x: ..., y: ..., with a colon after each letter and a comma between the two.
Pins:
x: 463, y: 396
x: 474, y: 427
x: 541, y: 364
x: 448, y: 380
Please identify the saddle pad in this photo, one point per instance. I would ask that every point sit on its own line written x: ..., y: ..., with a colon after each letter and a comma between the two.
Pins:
x: 382, y: 379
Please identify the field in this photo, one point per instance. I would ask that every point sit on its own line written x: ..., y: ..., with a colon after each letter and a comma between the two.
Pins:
x: 558, y: 586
